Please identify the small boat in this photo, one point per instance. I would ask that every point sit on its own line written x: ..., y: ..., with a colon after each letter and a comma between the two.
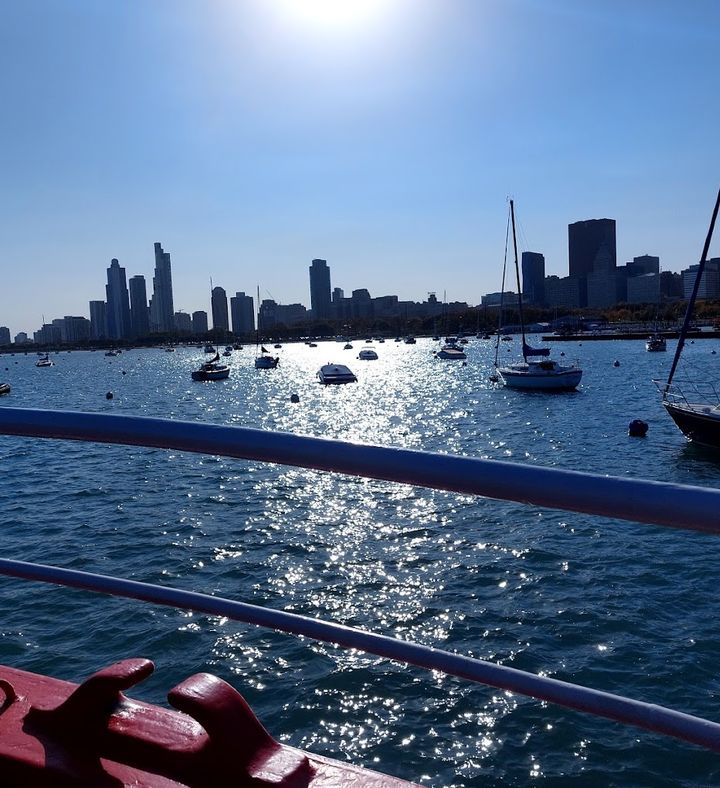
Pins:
x: 211, y: 370
x: 409, y: 340
x: 237, y: 346
x: 169, y: 349
x: 545, y: 375
x: 210, y: 349
x: 4, y: 388
x: 277, y: 346
x: 335, y: 374
x: 348, y: 346
x: 451, y: 353
x: 312, y: 344
x: 111, y: 353
x: 227, y: 353
x: 692, y: 403
x: 367, y: 354
x: 228, y: 348
x: 381, y: 340
x: 44, y: 362
x: 655, y: 344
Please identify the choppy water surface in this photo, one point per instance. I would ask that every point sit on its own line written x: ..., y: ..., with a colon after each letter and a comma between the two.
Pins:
x: 626, y: 608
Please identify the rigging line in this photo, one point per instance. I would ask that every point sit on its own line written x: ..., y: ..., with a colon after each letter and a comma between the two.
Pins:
x: 691, y: 302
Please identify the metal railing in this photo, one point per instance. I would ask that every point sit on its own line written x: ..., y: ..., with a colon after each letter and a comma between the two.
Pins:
x: 643, y: 501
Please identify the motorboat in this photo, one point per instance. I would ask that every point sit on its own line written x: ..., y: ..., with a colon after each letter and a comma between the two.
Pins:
x: 227, y: 352
x: 451, y: 353
x: 112, y: 353
x: 237, y: 346
x: 210, y: 349
x: 409, y: 340
x: 169, y: 349
x: 4, y: 388
x: 335, y: 374
x: 44, y: 362
x: 228, y: 348
x: 347, y: 346
x: 367, y: 354
x: 655, y: 344
x: 531, y: 374
x: 211, y: 370
x: 277, y: 346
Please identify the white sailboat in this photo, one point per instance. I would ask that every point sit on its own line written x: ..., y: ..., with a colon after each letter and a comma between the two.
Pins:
x: 531, y: 374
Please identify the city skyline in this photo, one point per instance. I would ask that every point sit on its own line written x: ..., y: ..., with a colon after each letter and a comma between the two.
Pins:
x: 252, y: 139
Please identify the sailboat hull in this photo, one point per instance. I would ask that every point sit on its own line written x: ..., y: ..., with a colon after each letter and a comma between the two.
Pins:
x: 699, y: 423
x: 544, y: 376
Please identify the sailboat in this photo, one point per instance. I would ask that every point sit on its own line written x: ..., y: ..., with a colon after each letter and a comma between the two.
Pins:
x: 545, y: 375
x: 694, y: 405
x: 264, y: 360
x: 656, y: 343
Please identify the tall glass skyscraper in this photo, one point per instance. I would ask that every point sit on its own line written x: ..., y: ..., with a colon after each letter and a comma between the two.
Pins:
x: 118, y: 304
x: 242, y: 312
x: 591, y: 247
x: 320, y: 289
x: 220, y: 309
x: 533, y: 278
x: 139, y: 317
x: 162, y: 312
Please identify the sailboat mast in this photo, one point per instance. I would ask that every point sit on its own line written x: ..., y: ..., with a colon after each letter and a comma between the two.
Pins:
x: 517, y: 276
x: 691, y: 302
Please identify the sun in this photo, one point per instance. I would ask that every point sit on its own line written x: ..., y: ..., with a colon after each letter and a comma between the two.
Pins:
x: 331, y: 15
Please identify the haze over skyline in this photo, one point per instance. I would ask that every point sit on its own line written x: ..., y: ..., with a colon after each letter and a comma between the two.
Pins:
x: 383, y: 136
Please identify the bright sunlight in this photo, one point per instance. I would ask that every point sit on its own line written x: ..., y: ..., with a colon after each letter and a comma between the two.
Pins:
x: 331, y: 15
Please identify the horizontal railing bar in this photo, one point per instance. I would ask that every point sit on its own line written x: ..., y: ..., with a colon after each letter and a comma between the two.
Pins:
x: 660, y: 503
x: 657, y: 719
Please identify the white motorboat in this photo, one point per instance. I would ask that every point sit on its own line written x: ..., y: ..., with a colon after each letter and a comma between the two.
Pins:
x: 335, y: 374
x: 4, y: 388
x: 655, y: 344
x: 44, y: 362
x: 367, y: 354
x: 209, y: 349
x: 545, y: 375
x: 451, y: 352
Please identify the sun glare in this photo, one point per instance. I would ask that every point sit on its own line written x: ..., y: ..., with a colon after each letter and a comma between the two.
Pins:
x: 331, y: 15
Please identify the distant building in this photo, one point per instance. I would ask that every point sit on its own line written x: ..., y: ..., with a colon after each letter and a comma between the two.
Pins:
x: 199, y: 322
x: 47, y: 335
x: 709, y: 281
x: 242, y: 311
x: 98, y: 320
x: 508, y: 298
x: 320, y: 289
x: 606, y: 288
x: 21, y: 338
x: 267, y: 315
x: 644, y: 264
x: 218, y: 301
x: 162, y: 313
x: 183, y: 323
x: 362, y: 304
x: 118, y: 304
x: 591, y: 250
x: 569, y: 292
x: 644, y: 289
x: 290, y: 314
x: 139, y: 313
x: 533, y: 278
x: 75, y: 329
x: 4, y: 335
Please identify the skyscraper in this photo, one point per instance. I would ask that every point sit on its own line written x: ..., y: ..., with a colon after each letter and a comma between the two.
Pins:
x: 533, y: 277
x: 139, y: 317
x: 219, y: 304
x: 118, y: 304
x: 98, y: 320
x: 320, y: 289
x: 591, y: 247
x: 162, y: 313
x: 199, y: 322
x: 242, y: 313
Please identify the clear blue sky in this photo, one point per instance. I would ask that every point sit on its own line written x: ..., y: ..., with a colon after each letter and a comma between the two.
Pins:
x: 249, y: 136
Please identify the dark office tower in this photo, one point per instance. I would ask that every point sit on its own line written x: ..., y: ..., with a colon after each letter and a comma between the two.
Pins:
x: 162, y: 313
x: 591, y: 247
x: 533, y: 277
x: 139, y: 317
x: 199, y: 322
x: 320, y: 289
x: 242, y: 313
x: 219, y: 304
x: 98, y: 320
x: 118, y: 305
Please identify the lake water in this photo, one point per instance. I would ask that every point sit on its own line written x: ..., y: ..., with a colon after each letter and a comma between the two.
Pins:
x: 622, y: 607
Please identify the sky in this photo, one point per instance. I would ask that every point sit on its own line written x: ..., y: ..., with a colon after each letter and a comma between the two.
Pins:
x: 385, y: 136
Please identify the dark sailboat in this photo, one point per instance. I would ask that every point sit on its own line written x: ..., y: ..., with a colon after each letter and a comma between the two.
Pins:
x: 693, y: 404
